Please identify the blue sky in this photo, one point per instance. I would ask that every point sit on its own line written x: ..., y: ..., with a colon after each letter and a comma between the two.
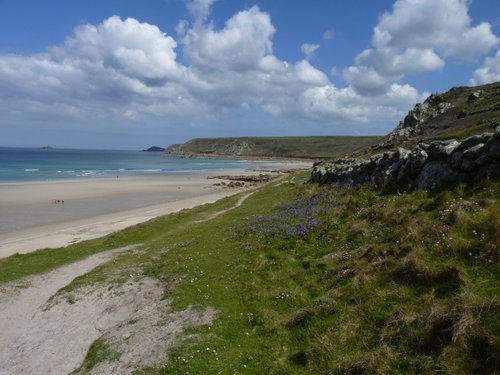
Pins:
x: 127, y: 74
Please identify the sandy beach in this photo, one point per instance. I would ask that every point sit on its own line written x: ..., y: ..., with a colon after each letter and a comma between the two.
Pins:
x: 31, y: 218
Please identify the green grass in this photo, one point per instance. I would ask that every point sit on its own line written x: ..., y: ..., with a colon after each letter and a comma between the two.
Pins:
x: 98, y: 352
x: 387, y: 283
x: 478, y: 129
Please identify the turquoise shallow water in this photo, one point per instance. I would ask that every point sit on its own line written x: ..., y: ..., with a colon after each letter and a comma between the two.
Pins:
x: 23, y: 164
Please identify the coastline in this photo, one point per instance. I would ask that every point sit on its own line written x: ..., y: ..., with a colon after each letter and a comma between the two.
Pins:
x: 216, y: 156
x: 93, y: 208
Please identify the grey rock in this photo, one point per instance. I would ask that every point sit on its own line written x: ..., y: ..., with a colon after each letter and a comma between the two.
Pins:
x: 493, y: 150
x: 474, y: 96
x: 436, y: 150
x: 469, y: 142
x: 456, y: 159
x: 467, y: 165
x: 451, y: 147
x: 418, y: 157
x: 474, y: 151
x: 483, y: 160
x: 474, y: 140
x: 437, y: 174
x: 443, y: 107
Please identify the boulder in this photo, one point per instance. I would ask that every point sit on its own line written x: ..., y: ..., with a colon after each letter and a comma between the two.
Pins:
x: 450, y: 147
x: 468, y: 165
x: 418, y: 157
x: 483, y: 160
x: 493, y: 150
x: 456, y: 159
x: 436, y: 174
x: 474, y: 151
x: 474, y: 96
x: 474, y: 140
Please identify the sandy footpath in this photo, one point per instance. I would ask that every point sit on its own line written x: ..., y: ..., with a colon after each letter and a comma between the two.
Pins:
x: 44, y: 331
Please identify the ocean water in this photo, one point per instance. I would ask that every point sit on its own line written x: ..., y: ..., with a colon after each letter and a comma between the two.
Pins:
x: 28, y: 164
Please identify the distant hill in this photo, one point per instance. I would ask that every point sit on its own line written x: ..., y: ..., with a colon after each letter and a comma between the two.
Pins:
x: 154, y: 149
x: 273, y: 147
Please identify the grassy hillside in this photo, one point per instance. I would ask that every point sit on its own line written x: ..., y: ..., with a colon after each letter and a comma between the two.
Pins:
x: 284, y: 147
x: 466, y: 114
x: 310, y: 279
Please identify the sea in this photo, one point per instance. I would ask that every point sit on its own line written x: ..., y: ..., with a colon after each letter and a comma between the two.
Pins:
x: 46, y: 164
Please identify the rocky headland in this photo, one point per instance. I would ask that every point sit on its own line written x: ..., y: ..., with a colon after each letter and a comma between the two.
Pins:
x: 432, y: 163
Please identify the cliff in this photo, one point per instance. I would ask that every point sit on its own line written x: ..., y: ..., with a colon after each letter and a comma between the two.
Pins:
x: 272, y: 147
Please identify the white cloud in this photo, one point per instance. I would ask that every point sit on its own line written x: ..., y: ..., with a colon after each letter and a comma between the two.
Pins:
x: 367, y: 81
x: 417, y: 37
x: 309, y: 50
x: 100, y: 70
x: 199, y: 9
x: 389, y: 62
x: 443, y: 25
x: 240, y: 45
x: 128, y: 70
x: 489, y: 72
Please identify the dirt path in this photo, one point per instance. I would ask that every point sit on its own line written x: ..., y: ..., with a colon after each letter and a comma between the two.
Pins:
x: 218, y: 213
x: 22, y: 302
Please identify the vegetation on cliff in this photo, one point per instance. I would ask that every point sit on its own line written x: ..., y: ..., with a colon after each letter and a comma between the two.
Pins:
x: 275, y: 147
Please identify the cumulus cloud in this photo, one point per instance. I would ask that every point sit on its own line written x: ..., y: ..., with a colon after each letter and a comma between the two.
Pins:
x: 130, y: 70
x: 240, y: 45
x: 489, y: 72
x: 443, y: 25
x: 127, y: 69
x: 110, y: 68
x: 309, y: 50
x: 417, y: 37
x: 199, y: 9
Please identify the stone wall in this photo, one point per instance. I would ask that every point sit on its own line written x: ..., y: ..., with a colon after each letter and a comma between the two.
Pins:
x: 426, y: 166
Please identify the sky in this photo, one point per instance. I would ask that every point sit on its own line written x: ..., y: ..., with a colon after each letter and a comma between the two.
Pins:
x: 128, y: 74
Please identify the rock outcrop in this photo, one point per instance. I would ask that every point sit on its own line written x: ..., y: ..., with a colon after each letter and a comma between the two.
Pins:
x: 426, y: 166
x: 433, y: 106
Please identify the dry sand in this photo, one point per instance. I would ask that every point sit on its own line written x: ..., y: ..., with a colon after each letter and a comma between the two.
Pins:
x: 29, y: 220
